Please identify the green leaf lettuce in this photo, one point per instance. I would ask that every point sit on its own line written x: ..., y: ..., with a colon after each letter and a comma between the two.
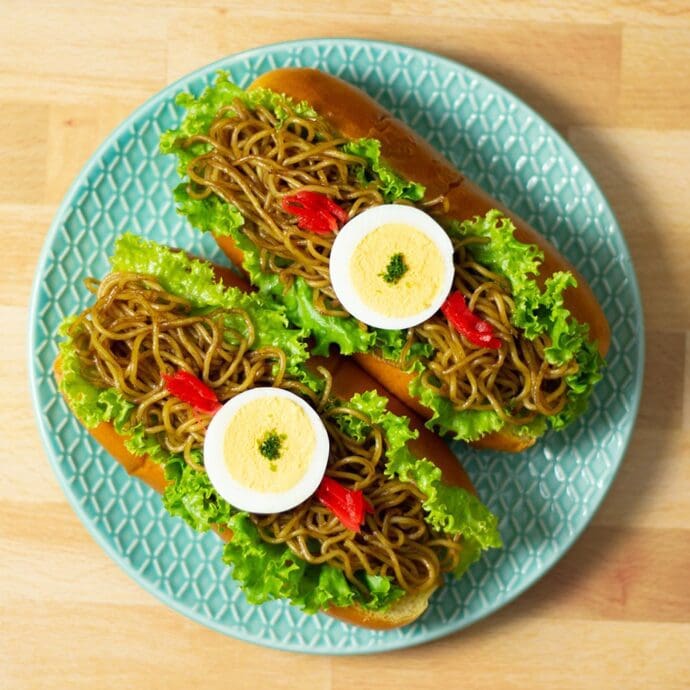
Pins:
x: 202, y: 110
x: 538, y: 311
x: 195, y: 281
x: 449, y: 509
x: 390, y: 184
x: 222, y: 219
x: 271, y: 571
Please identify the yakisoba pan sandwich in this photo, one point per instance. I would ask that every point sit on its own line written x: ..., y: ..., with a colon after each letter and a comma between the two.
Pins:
x: 377, y: 246
x: 330, y: 493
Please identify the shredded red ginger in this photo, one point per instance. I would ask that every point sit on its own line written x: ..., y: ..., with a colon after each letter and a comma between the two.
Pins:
x: 315, y: 212
x: 348, y: 505
x: 467, y: 323
x: 191, y: 390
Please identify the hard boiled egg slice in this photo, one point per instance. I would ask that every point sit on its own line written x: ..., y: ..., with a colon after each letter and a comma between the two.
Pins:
x: 391, y: 266
x: 266, y: 450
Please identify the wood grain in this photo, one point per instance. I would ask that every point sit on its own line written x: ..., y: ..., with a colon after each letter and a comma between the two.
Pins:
x: 613, y: 78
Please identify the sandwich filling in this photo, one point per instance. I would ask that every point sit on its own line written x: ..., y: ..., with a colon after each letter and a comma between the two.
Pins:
x: 245, y: 155
x: 158, y: 313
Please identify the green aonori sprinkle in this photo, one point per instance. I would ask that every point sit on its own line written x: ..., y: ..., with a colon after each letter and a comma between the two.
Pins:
x: 270, y: 445
x: 395, y: 270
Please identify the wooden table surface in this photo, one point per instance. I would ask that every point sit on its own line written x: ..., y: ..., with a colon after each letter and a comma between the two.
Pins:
x: 614, y: 78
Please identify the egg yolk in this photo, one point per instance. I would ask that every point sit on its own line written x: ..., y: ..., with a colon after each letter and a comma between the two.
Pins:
x: 397, y: 270
x: 269, y: 444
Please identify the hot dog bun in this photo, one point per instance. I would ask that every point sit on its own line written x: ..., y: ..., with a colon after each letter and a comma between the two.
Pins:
x: 356, y: 115
x: 347, y: 379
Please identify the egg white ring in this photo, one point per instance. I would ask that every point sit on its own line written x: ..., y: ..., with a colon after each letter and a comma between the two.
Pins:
x: 347, y: 241
x: 242, y: 497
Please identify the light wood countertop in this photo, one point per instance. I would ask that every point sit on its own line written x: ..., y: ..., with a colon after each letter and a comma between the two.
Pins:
x: 614, y: 79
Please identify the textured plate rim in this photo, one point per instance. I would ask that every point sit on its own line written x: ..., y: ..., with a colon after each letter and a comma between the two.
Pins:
x: 442, y: 630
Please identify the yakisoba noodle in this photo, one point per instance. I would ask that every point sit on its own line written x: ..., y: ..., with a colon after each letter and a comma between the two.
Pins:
x: 136, y: 331
x: 252, y: 162
x: 395, y: 539
x: 483, y: 379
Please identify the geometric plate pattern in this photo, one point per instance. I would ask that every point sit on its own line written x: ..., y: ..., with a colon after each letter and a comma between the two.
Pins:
x: 545, y: 497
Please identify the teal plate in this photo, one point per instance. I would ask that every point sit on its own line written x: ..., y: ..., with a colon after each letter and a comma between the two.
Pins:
x: 545, y: 496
